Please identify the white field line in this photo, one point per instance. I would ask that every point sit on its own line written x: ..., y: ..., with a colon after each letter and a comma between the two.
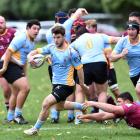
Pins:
x: 54, y: 128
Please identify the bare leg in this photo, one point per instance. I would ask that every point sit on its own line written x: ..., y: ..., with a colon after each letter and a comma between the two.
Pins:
x: 71, y: 112
x: 80, y: 98
x: 138, y: 90
x: 47, y: 103
x: 102, y: 92
x: 23, y: 85
x: 116, y: 92
x: 6, y: 91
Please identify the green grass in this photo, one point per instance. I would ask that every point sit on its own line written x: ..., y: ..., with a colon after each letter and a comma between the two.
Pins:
x: 41, y: 87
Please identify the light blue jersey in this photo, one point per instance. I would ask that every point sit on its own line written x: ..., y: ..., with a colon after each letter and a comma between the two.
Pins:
x: 21, y: 46
x: 91, y: 47
x: 133, y: 56
x: 67, y: 25
x: 63, y: 63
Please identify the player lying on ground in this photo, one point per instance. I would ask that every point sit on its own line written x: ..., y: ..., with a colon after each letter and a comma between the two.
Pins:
x: 126, y: 109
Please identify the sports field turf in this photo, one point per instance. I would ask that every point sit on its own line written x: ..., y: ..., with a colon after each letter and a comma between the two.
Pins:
x: 40, y: 87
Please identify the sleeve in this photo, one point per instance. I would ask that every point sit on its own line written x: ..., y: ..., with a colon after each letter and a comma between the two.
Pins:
x: 128, y: 108
x: 107, y: 39
x: 44, y: 50
x: 17, y: 43
x: 107, y: 46
x: 68, y: 26
x: 119, y: 46
x: 75, y: 59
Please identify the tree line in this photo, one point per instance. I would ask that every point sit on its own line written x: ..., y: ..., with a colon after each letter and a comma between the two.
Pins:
x: 45, y: 9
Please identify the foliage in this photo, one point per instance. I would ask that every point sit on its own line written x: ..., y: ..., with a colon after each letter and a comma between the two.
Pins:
x: 27, y: 9
x: 121, y: 6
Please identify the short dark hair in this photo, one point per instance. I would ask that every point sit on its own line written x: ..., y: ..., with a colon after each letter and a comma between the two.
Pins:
x: 126, y: 96
x: 71, y: 11
x: 81, y: 30
x: 134, y: 14
x: 58, y: 30
x: 32, y: 22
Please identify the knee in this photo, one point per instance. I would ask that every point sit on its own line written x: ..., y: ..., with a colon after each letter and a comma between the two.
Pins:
x: 26, y: 89
x: 6, y: 90
x: 46, y: 105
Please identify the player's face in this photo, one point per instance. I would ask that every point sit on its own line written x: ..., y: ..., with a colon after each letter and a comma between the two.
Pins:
x: 2, y: 25
x: 132, y: 32
x: 120, y: 101
x: 58, y: 39
x: 33, y: 31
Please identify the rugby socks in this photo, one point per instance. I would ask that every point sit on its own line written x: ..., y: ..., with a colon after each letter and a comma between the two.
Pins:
x: 7, y: 105
x: 78, y: 106
x: 77, y: 121
x: 10, y: 115
x: 38, y: 124
x: 70, y: 114
x: 54, y: 113
x: 18, y: 112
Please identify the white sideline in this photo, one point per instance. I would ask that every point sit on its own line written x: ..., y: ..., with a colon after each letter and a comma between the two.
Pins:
x: 53, y: 128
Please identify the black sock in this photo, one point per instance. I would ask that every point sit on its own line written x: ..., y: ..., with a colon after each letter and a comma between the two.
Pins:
x: 7, y: 106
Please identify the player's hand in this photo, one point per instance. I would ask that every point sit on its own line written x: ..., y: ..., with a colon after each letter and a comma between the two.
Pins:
x: 2, y: 70
x: 88, y: 104
x: 124, y: 52
x: 30, y: 58
x: 80, y: 12
x: 80, y: 116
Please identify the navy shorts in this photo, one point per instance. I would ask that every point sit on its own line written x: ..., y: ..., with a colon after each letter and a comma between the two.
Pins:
x: 135, y: 79
x: 112, y: 80
x: 61, y: 92
x: 95, y: 72
x: 13, y: 72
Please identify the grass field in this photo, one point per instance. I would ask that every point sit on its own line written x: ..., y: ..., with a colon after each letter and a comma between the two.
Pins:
x: 40, y: 87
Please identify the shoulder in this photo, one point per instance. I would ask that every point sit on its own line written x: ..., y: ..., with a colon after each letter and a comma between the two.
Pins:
x: 50, y: 46
x: 20, y: 38
x: 123, y: 39
x: 129, y: 107
x: 83, y: 37
x: 11, y: 30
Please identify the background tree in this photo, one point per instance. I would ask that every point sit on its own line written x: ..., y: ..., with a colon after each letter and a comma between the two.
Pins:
x: 45, y: 9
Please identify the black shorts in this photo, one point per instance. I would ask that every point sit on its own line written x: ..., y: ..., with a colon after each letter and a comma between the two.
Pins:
x: 50, y: 72
x: 135, y: 79
x: 13, y: 72
x: 75, y: 74
x: 61, y: 92
x: 112, y: 80
x: 95, y: 72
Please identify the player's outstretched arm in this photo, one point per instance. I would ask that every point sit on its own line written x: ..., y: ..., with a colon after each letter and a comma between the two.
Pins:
x: 114, y: 56
x: 106, y: 107
x: 96, y: 116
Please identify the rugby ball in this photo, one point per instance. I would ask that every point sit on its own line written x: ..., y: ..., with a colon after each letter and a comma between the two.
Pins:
x: 38, y: 61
